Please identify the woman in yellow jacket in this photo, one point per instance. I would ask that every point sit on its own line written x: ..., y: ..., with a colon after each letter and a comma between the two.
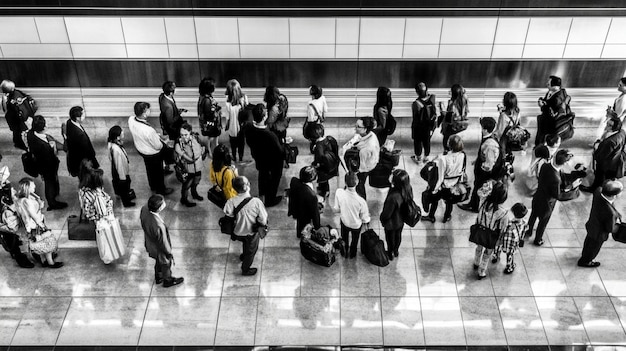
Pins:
x: 222, y: 172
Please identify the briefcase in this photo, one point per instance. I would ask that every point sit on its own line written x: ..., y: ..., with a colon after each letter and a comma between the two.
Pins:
x: 620, y: 235
x: 80, y: 228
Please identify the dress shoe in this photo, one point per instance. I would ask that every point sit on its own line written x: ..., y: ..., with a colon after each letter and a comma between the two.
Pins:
x: 395, y: 253
x: 158, y: 280
x: 173, y: 281
x: 447, y: 219
x: 475, y: 266
x: 586, y: 189
x: 467, y: 207
x: 23, y: 261
x: 59, y: 205
x: 187, y: 203
x: 592, y: 264
x: 538, y: 243
x: 197, y: 197
x: 251, y: 271
x: 55, y: 265
x: 166, y: 191
x: 390, y: 255
x: 428, y: 219
x: 167, y: 171
x: 128, y: 204
x: 277, y: 200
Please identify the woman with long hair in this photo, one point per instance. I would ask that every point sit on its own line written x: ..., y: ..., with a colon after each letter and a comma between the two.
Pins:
x: 189, y: 150
x: 382, y: 110
x: 120, y: 166
x: 235, y: 101
x: 509, y: 117
x: 277, y: 106
x: 492, y: 215
x: 399, y: 195
x: 222, y: 172
x: 316, y: 111
x: 456, y: 111
x: 209, y: 112
x: 43, y: 242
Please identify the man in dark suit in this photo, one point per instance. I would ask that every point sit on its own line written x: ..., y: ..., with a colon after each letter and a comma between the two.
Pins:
x: 303, y: 200
x: 157, y: 241
x: 548, y: 192
x: 603, y: 219
x: 553, y: 105
x: 607, y: 154
x: 44, y: 148
x: 78, y: 143
x: 170, y: 117
x: 268, y: 154
x: 16, y: 124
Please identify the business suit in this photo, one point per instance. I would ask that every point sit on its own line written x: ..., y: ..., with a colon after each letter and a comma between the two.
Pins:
x: 602, y: 221
x: 553, y: 108
x: 47, y: 165
x: 608, y: 160
x: 544, y: 200
x: 391, y: 219
x: 170, y: 117
x: 268, y: 155
x: 79, y: 147
x: 15, y: 123
x: 303, y: 205
x: 157, y: 243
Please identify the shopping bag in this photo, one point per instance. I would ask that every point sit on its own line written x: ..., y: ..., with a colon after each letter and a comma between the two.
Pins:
x: 109, y: 239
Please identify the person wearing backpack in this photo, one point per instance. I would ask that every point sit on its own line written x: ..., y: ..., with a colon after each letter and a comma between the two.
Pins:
x: 209, y: 113
x: 316, y: 111
x: 488, y: 164
x: 16, y: 124
x: 382, y: 112
x: 553, y: 105
x: 509, y: 118
x: 453, y: 118
x: 325, y: 160
x: 400, y: 193
x: 424, y: 122
x: 250, y: 215
x: 235, y: 101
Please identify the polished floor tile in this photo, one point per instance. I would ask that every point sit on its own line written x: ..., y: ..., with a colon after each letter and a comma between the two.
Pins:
x: 600, y: 320
x: 482, y: 321
x: 361, y: 321
x: 402, y: 321
x: 443, y: 323
x: 561, y: 320
x: 237, y: 320
x: 435, y: 272
x: 521, y: 321
x: 42, y: 321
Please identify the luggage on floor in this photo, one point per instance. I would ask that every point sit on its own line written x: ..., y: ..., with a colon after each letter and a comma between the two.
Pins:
x: 389, y: 159
x: 110, y: 241
x: 352, y: 159
x: 379, y: 177
x: 80, y: 228
x: 373, y: 248
x: 318, y: 245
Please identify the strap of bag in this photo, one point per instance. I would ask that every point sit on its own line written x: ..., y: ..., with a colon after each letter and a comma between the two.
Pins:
x: 240, y: 206
x: 317, y: 113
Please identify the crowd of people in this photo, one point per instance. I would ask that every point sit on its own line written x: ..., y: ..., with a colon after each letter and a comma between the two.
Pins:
x: 263, y: 128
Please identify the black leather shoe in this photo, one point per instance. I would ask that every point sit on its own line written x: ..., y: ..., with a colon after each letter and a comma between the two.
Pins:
x: 197, y: 197
x: 59, y: 205
x: 23, y: 261
x: 396, y: 253
x: 55, y: 265
x: 390, y: 255
x: 251, y: 271
x: 447, y: 219
x: 592, y: 264
x: 187, y: 203
x: 158, y: 280
x: 165, y: 191
x: 428, y: 219
x: 538, y: 243
x: 167, y: 171
x: 586, y: 189
x: 277, y: 200
x: 128, y: 204
x: 173, y: 281
x: 467, y: 207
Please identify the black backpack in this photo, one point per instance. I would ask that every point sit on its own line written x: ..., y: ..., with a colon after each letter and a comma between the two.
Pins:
x: 330, y: 161
x: 373, y: 248
x: 411, y: 213
x: 24, y: 104
x: 390, y: 124
x: 352, y: 159
x: 245, y: 116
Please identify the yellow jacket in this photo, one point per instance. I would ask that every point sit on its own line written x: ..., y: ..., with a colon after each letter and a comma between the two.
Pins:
x: 224, y: 179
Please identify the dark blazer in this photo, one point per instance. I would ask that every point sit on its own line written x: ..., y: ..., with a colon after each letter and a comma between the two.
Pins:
x: 264, y: 147
x: 47, y: 160
x: 325, y: 158
x: 602, y: 219
x: 391, y: 216
x: 421, y: 113
x: 303, y: 203
x: 12, y: 115
x: 548, y: 189
x: 608, y: 153
x: 78, y: 148
x: 555, y: 104
x: 157, y: 236
x: 170, y: 117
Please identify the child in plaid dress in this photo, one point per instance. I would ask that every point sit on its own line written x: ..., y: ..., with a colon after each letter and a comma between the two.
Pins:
x: 511, y: 238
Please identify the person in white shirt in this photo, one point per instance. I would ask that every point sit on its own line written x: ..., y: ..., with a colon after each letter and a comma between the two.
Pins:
x: 251, y: 213
x: 353, y: 213
x: 316, y: 111
x: 369, y: 150
x: 150, y: 146
x: 618, y: 110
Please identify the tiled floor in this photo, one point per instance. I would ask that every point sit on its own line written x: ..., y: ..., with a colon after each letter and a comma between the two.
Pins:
x: 429, y: 296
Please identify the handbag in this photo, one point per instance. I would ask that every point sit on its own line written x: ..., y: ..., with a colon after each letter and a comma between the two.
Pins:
x: 227, y: 223
x: 216, y: 193
x: 483, y: 235
x: 352, y: 159
x: 180, y: 168
x: 291, y: 153
x: 80, y: 228
x: 42, y: 241
x: 411, y: 213
x: 109, y: 239
x: 426, y: 199
x: 460, y: 191
x: 30, y: 164
x: 117, y: 183
x: 430, y: 173
x: 620, y: 234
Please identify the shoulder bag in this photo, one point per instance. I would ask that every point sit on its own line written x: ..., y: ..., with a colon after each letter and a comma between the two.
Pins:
x: 307, y: 126
x: 483, y: 235
x: 461, y: 190
x: 216, y: 193
x: 180, y: 167
x: 227, y: 223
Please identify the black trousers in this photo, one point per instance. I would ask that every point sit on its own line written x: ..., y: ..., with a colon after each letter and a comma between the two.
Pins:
x: 323, y: 187
x: 236, y: 146
x: 443, y: 194
x: 480, y: 178
x: 250, y: 247
x: 544, y: 218
x: 421, y: 139
x: 300, y: 224
x: 162, y: 270
x: 269, y: 180
x: 393, y: 238
x: 360, y: 187
x: 18, y: 141
x: 122, y: 188
x: 351, y: 247
x: 191, y: 183
x: 51, y: 188
x: 591, y: 248
x: 154, y: 171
